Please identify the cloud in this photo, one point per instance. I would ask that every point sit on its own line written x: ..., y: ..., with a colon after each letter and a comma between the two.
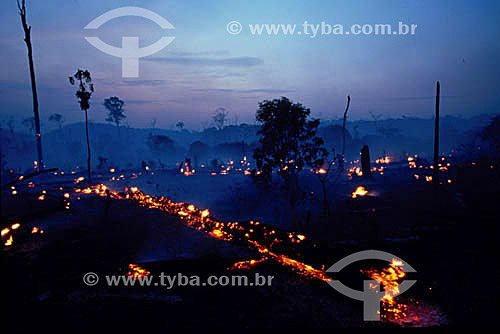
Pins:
x: 243, y: 91
x: 208, y: 61
x: 266, y: 91
x: 131, y: 83
x: 141, y: 102
x: 143, y: 83
x: 417, y: 98
x: 200, y: 53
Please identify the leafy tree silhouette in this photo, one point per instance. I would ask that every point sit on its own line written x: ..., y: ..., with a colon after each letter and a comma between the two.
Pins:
x: 115, y: 110
x: 288, y: 143
x: 85, y: 89
x: 220, y: 118
x: 180, y: 125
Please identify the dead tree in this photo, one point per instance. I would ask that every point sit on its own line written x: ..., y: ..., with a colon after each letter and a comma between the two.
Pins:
x: 27, y: 38
x: 435, y: 174
x: 365, y: 161
x: 341, y: 161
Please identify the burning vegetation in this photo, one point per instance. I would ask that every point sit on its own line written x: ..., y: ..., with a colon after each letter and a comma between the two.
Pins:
x: 270, y: 242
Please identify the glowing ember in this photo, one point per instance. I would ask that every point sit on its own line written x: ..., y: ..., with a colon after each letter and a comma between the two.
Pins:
x: 321, y: 171
x: 80, y: 179
x: 246, y: 264
x: 360, y: 191
x: 5, y: 231
x: 136, y: 271
x: 389, y: 279
x: 9, y: 241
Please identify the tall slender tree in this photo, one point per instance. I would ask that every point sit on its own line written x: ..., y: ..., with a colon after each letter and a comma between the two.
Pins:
x: 435, y: 176
x: 27, y: 39
x: 85, y: 89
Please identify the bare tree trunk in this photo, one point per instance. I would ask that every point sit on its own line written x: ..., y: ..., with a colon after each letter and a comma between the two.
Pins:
x: 435, y: 175
x: 27, y: 39
x: 343, y: 131
x: 88, y: 145
x: 365, y: 162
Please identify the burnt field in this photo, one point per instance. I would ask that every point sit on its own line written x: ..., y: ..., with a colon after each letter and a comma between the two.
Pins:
x: 56, y: 228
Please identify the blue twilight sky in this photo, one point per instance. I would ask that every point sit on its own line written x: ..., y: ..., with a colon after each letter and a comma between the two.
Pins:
x: 205, y: 67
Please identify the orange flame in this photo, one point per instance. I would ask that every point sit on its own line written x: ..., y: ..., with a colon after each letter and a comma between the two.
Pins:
x: 136, y: 271
x: 389, y: 279
x: 360, y: 191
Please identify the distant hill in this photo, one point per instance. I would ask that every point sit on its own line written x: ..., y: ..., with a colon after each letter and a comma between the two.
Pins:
x: 128, y: 147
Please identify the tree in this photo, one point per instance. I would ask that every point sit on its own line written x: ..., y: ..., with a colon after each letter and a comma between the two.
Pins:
x: 220, y: 118
x: 115, y: 110
x: 27, y: 39
x: 58, y: 119
x: 288, y: 142
x: 180, y: 125
x: 365, y: 162
x: 435, y: 174
x: 85, y: 89
x: 341, y: 161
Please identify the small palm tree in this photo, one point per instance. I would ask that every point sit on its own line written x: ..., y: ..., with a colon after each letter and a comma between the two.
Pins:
x: 85, y: 89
